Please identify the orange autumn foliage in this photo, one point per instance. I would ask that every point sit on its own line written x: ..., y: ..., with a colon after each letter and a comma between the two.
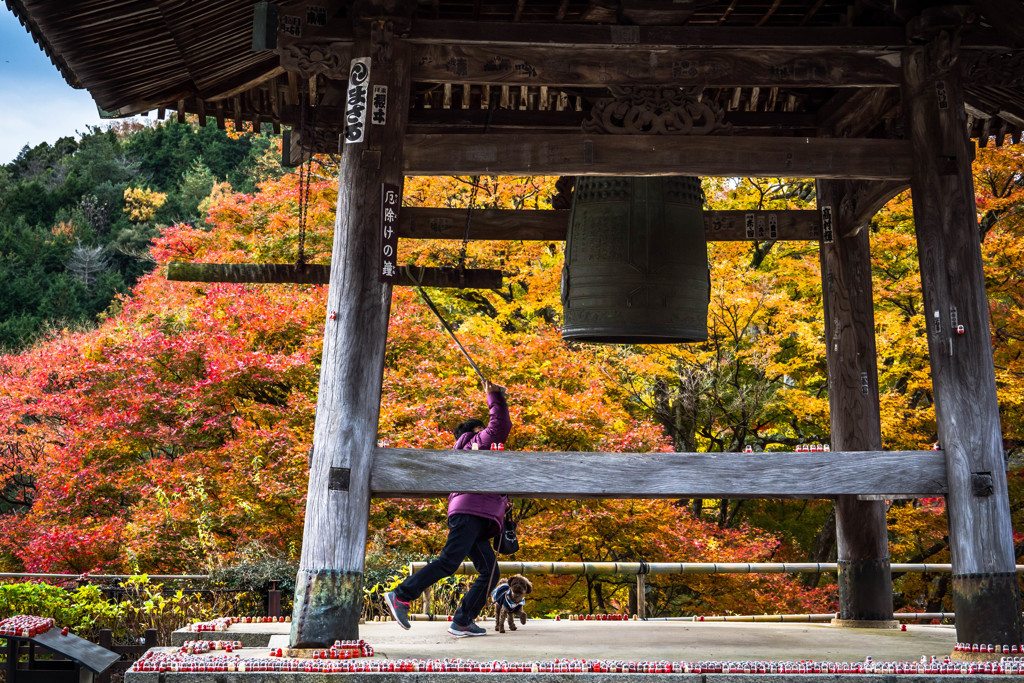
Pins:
x: 175, y: 434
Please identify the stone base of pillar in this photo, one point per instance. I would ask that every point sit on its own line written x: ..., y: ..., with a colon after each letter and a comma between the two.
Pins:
x: 866, y: 623
x: 988, y: 608
x: 328, y: 604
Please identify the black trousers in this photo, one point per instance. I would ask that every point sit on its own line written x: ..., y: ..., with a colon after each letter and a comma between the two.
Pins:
x: 468, y: 536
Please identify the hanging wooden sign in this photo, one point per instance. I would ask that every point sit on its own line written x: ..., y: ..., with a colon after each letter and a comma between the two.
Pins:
x: 827, y: 235
x: 355, y: 109
x: 379, y: 105
x: 390, y: 199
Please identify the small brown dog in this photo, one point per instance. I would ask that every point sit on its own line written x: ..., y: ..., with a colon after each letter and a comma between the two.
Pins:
x: 509, y: 598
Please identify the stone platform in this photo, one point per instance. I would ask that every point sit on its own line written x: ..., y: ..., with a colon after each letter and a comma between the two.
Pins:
x: 546, y: 640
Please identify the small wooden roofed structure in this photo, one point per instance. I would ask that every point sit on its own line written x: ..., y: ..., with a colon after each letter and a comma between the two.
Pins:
x: 867, y: 96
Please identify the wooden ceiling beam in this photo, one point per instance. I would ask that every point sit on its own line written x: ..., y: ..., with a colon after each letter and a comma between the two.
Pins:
x: 552, y: 225
x: 461, y: 119
x: 569, y: 66
x: 1006, y: 17
x: 853, y: 113
x: 560, y: 35
x: 654, y: 155
x: 414, y: 473
x: 575, y: 66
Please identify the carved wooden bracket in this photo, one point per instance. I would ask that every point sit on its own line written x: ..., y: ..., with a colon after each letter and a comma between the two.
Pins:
x: 1005, y: 70
x: 310, y: 58
x: 564, y: 185
x: 657, y: 111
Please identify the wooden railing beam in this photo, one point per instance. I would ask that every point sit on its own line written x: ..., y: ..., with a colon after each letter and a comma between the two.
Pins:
x: 412, y: 473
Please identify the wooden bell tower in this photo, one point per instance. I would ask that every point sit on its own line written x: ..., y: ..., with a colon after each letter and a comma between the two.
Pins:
x: 868, y: 98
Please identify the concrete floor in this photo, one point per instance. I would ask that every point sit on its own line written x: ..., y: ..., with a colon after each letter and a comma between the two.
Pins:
x: 544, y: 639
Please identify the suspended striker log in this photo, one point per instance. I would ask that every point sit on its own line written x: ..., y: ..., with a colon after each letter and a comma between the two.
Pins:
x: 636, y: 262
x: 281, y: 273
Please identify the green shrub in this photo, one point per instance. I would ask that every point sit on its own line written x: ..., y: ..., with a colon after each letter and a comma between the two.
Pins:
x: 85, y: 610
x: 253, y: 572
x: 127, y: 610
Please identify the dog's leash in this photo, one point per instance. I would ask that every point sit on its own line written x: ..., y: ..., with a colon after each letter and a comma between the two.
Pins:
x: 497, y: 544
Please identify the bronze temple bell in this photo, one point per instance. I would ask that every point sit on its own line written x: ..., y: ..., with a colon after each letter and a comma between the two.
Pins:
x: 636, y: 261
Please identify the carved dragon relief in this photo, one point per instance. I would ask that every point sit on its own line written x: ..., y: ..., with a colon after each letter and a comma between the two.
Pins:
x: 656, y: 111
x: 310, y: 58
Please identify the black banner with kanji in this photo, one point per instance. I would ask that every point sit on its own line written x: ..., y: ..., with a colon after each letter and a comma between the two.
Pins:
x: 390, y: 200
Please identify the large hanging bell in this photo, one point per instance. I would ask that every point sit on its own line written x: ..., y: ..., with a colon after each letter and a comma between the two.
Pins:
x: 636, y: 261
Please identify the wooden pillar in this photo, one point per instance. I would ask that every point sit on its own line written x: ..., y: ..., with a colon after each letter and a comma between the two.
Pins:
x: 329, y: 590
x: 986, y: 595
x: 865, y: 579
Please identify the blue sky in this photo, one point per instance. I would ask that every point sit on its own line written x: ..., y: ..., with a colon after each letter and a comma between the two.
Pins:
x: 36, y: 104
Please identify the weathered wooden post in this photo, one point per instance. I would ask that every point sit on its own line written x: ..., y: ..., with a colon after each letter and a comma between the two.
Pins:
x: 328, y: 592
x: 985, y: 590
x: 865, y: 579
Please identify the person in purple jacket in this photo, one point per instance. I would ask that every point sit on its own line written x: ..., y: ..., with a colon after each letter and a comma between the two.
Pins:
x: 474, y: 519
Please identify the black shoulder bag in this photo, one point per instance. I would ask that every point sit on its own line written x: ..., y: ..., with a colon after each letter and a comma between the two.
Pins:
x: 507, y: 543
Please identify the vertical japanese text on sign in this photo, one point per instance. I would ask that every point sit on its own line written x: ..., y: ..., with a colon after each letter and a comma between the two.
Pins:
x: 379, y: 105
x: 355, y: 108
x: 826, y: 224
x: 390, y: 200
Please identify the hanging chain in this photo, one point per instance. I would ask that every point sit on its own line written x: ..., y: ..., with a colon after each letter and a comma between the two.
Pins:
x: 472, y: 195
x: 305, y: 171
x: 303, y: 203
x: 469, y: 218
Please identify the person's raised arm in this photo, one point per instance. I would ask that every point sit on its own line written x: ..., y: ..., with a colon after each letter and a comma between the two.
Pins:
x: 500, y: 425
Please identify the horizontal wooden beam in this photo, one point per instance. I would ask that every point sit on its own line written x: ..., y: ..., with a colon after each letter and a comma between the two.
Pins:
x: 553, y: 34
x: 256, y: 273
x: 410, y: 473
x: 315, y: 274
x: 551, y: 225
x: 604, y: 55
x: 416, y: 222
x: 573, y: 36
x: 459, y: 119
x: 656, y: 155
x: 610, y: 66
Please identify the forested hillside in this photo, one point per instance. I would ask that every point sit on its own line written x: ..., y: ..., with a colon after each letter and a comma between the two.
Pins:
x: 174, y: 436
x: 77, y: 217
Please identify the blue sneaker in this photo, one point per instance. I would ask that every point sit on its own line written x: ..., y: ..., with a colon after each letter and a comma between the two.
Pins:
x: 399, y: 609
x: 460, y: 631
